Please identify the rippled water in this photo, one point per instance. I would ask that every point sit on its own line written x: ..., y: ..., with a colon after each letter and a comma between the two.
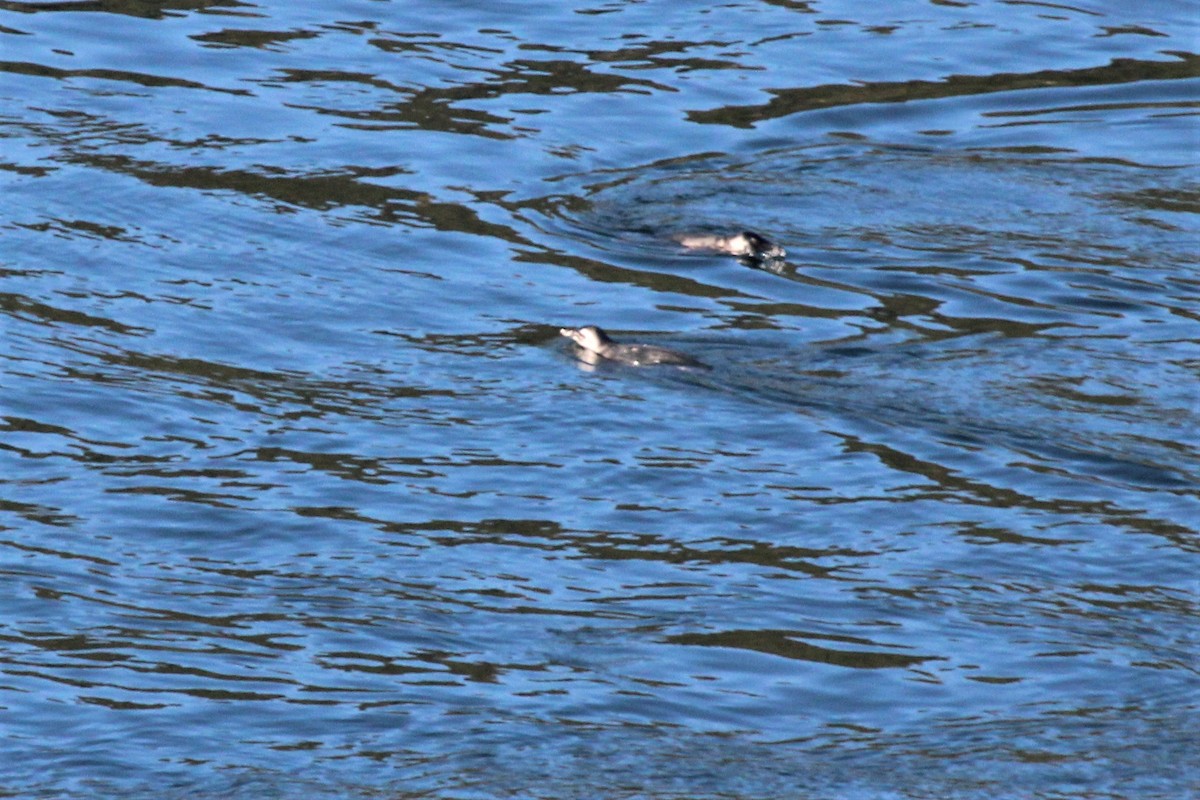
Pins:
x: 302, y: 494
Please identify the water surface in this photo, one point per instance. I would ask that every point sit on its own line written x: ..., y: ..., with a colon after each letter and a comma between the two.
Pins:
x: 302, y: 495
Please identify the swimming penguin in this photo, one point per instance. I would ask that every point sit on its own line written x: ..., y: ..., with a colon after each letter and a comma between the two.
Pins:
x: 593, y: 340
x: 744, y: 244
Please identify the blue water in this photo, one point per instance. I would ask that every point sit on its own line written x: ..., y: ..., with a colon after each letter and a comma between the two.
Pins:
x: 303, y: 495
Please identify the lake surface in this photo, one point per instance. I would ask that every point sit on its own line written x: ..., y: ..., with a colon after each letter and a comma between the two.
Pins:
x: 302, y: 494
